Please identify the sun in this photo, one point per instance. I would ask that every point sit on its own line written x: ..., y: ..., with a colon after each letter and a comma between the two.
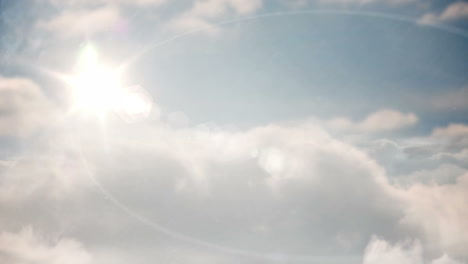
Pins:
x: 97, y: 89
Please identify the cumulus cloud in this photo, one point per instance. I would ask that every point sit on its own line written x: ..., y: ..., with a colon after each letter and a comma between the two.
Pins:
x: 439, y: 211
x: 380, y: 121
x: 83, y: 22
x: 27, y: 246
x: 289, y: 188
x: 455, y: 11
x: 270, y: 187
x: 23, y: 107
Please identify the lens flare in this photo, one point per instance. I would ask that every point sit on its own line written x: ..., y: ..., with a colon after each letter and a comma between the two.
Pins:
x: 98, y: 90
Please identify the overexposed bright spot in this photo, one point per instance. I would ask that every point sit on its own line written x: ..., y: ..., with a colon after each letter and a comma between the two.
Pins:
x: 97, y: 89
x: 272, y: 160
x: 135, y: 104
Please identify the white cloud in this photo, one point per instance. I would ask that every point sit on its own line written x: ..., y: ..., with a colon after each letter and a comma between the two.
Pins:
x: 453, y: 138
x: 83, y: 22
x: 111, y: 2
x: 57, y: 174
x: 382, y: 120
x: 445, y: 259
x: 203, y: 14
x: 440, y: 212
x: 455, y: 11
x: 453, y: 100
x: 452, y: 130
x: 27, y: 246
x: 363, y: 2
x: 237, y: 180
x: 379, y: 251
x: 194, y: 23
x: 23, y: 107
x: 243, y: 7
x: 302, y: 3
x: 289, y: 186
x: 178, y: 119
x: 442, y: 174
x: 437, y: 158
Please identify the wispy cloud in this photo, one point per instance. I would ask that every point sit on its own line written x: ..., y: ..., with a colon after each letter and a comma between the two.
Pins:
x: 379, y: 251
x: 455, y: 11
x: 382, y: 120
x: 364, y: 2
x: 23, y: 107
x: 453, y: 100
x: 27, y: 246
x: 203, y: 14
x: 82, y: 23
x: 76, y: 3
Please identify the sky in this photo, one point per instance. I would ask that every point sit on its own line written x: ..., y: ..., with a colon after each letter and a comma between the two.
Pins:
x: 233, y: 131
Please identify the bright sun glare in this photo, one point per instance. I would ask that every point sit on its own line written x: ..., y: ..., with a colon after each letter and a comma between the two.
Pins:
x: 98, y: 89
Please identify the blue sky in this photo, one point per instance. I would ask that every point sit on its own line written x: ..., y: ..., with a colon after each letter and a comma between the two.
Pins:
x: 328, y: 63
x: 233, y: 131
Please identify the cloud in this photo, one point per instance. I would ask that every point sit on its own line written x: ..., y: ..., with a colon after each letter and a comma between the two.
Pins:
x: 84, y: 18
x: 379, y: 251
x: 445, y: 259
x: 461, y: 156
x: 27, y: 246
x: 271, y: 192
x: 380, y: 121
x: 453, y: 100
x: 455, y: 11
x: 439, y: 211
x: 452, y: 130
x: 203, y: 14
x: 291, y: 188
x: 83, y: 22
x: 194, y: 23
x: 233, y: 186
x: 302, y: 3
x: 437, y: 156
x: 109, y: 2
x: 23, y: 107
x: 453, y: 137
x: 243, y: 7
x: 442, y: 174
x: 363, y: 2
x: 57, y: 174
